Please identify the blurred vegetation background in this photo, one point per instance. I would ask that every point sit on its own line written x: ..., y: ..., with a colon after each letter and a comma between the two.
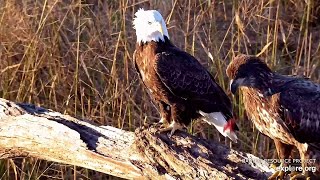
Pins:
x: 75, y: 57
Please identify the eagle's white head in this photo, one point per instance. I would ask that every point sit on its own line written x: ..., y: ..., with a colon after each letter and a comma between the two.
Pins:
x: 150, y: 26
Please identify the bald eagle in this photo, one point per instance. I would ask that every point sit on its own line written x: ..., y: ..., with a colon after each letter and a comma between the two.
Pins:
x: 285, y: 108
x: 178, y: 83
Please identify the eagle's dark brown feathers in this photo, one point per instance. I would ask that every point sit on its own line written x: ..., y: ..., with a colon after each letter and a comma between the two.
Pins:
x: 186, y: 78
x: 300, y: 103
x: 174, y: 75
x: 285, y: 108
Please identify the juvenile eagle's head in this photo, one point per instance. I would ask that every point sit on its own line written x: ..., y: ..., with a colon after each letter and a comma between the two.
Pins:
x: 249, y: 71
x: 150, y: 26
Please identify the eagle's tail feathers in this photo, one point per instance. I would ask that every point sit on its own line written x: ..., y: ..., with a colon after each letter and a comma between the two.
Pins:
x: 232, y: 135
x: 222, y: 125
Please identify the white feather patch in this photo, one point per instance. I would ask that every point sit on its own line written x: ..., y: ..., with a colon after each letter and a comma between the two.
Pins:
x: 231, y: 81
x: 219, y: 121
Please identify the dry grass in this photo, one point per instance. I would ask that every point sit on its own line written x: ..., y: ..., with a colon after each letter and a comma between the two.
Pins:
x: 75, y: 57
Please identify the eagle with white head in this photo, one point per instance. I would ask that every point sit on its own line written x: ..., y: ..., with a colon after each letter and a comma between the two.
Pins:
x: 178, y: 83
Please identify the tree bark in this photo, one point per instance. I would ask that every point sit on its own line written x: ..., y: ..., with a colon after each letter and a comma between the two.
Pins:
x: 30, y: 131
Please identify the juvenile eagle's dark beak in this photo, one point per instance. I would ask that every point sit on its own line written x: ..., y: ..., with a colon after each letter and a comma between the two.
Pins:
x: 234, y: 84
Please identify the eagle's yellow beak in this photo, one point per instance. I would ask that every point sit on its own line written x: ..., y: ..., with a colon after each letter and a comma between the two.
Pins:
x: 159, y: 27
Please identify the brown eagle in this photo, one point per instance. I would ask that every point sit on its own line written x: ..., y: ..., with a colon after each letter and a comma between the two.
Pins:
x: 178, y: 83
x: 285, y: 108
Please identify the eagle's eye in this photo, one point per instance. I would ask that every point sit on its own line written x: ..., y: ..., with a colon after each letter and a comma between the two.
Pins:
x: 149, y: 22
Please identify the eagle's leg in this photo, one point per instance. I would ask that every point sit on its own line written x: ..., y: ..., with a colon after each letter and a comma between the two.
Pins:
x: 284, y: 152
x: 175, y: 110
x: 163, y: 120
x: 303, y: 156
x: 165, y: 113
x: 303, y: 175
x: 172, y: 128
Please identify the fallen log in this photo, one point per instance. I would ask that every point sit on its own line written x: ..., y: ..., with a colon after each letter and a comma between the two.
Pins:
x: 30, y: 131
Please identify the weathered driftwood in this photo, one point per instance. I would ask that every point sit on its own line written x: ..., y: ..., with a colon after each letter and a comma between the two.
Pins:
x: 28, y: 130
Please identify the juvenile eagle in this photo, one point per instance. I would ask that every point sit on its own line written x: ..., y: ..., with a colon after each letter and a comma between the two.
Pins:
x: 285, y: 108
x: 178, y: 83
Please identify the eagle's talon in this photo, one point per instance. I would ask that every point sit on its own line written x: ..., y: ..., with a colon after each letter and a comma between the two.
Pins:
x: 294, y: 173
x: 154, y: 128
x: 171, y: 133
x: 153, y: 132
x: 277, y: 175
x: 163, y: 121
x: 299, y: 176
x: 172, y: 128
x: 162, y: 126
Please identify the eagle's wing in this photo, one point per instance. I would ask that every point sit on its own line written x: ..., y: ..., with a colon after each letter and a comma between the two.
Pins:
x: 186, y: 78
x: 300, y: 103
